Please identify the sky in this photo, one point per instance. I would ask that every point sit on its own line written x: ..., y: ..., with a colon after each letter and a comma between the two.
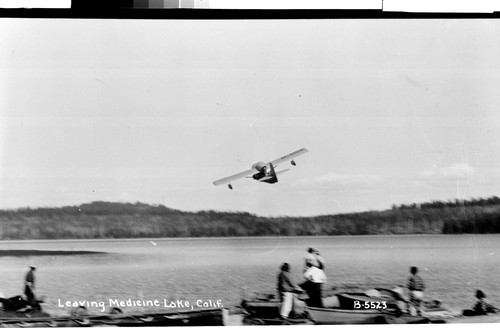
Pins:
x: 154, y: 111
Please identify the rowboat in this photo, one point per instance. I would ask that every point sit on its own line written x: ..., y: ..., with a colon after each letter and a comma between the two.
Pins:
x: 264, y: 309
x: 202, y: 317
x: 16, y: 311
x: 336, y: 316
x: 358, y: 307
x: 378, y: 298
x: 486, y: 318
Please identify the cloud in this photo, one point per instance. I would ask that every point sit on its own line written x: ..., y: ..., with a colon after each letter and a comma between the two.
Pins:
x: 454, y: 171
x: 343, y: 180
x: 458, y: 178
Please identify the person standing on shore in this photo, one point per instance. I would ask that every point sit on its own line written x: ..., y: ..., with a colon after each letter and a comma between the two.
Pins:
x: 29, y: 286
x: 481, y: 307
x: 315, y: 278
x: 416, y: 287
x: 286, y: 289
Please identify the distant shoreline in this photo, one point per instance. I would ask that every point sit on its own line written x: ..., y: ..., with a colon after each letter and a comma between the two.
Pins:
x: 33, y: 252
x: 138, y: 239
x: 106, y: 220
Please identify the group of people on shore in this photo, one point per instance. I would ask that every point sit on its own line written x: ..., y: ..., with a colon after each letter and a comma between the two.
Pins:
x: 416, y: 287
x: 315, y: 277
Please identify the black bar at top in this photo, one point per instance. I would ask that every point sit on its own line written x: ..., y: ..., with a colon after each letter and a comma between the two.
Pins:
x: 124, y: 9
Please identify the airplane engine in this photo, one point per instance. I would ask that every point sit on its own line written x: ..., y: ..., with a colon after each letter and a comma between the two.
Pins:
x: 259, y: 166
x: 258, y: 175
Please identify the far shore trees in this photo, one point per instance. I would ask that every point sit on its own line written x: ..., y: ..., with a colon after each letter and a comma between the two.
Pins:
x: 126, y: 220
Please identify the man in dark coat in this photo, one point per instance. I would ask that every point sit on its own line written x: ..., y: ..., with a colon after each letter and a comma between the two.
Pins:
x: 29, y: 286
x: 286, y: 289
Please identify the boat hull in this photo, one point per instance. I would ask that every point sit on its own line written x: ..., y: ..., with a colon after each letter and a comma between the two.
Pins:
x: 487, y: 318
x: 262, y: 309
x: 205, y: 317
x: 330, y: 316
x: 267, y: 312
x: 387, y: 299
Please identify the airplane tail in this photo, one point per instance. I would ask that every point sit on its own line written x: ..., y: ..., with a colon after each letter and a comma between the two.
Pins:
x: 275, y: 174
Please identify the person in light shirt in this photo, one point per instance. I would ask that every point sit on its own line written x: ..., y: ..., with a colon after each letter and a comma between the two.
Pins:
x: 315, y: 278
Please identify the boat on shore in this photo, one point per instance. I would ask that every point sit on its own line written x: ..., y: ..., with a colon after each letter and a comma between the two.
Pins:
x: 380, y: 298
x: 345, y: 308
x: 484, y: 318
x: 337, y: 316
x: 202, y: 317
x: 16, y: 312
x: 264, y: 309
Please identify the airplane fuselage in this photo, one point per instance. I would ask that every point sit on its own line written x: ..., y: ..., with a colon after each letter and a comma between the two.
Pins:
x: 266, y: 175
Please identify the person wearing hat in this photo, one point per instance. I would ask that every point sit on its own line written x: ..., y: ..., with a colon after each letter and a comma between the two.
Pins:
x: 29, y: 286
x: 314, y: 259
x: 482, y: 306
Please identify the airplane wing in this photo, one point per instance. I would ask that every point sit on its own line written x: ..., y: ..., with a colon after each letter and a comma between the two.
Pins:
x: 235, y: 177
x: 289, y: 157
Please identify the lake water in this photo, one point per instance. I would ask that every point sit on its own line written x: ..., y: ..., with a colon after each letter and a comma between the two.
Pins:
x: 203, y: 269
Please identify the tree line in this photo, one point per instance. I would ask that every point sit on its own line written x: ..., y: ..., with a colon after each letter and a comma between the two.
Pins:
x: 139, y: 220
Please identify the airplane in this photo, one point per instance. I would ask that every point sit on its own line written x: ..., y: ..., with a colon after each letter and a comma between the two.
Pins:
x: 262, y: 171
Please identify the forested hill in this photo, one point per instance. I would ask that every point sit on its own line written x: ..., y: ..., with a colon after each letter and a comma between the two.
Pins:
x: 125, y: 220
